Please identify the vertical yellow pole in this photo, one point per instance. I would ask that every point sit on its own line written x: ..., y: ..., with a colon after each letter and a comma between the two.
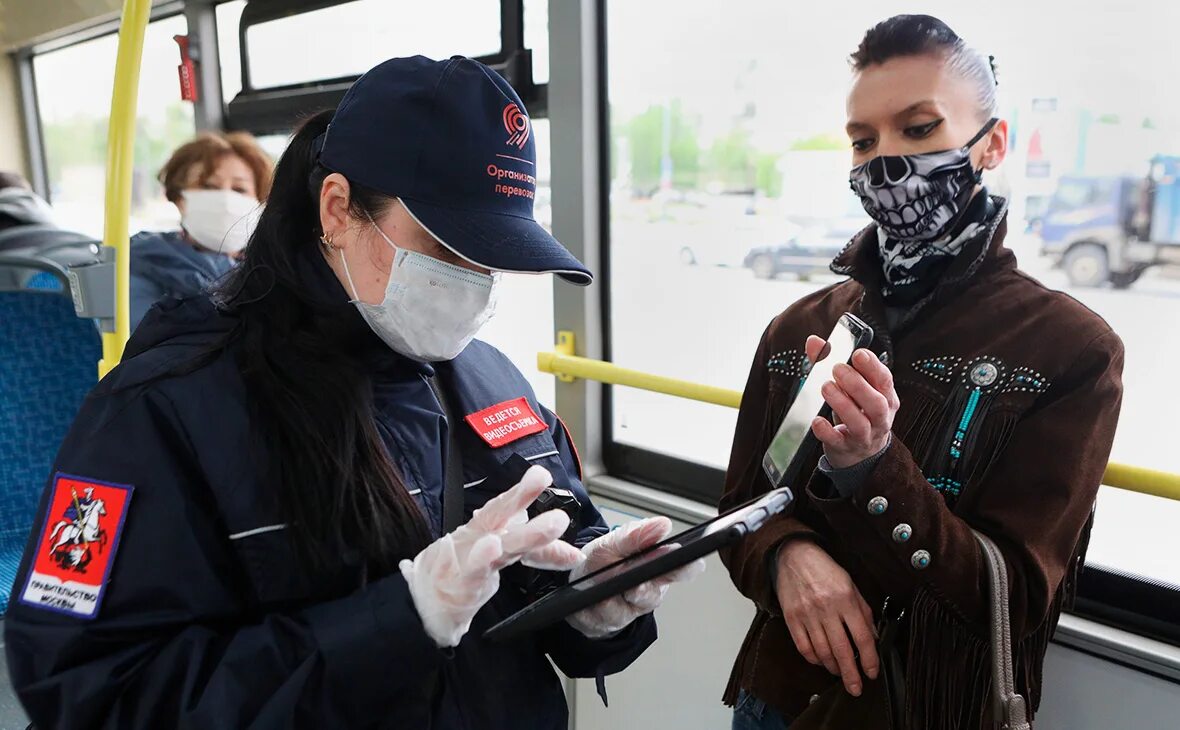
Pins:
x: 120, y: 156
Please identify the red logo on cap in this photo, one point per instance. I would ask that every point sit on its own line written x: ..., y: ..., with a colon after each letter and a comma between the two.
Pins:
x: 517, y: 125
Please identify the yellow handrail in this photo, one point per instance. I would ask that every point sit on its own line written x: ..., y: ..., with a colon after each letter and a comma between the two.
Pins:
x: 567, y: 366
x: 1143, y: 480
x: 605, y: 372
x: 120, y: 156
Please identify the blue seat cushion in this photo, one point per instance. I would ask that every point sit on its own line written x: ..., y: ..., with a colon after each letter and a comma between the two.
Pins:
x: 48, y: 362
x: 9, y: 563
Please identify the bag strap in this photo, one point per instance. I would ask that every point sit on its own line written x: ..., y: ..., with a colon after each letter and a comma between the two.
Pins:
x: 452, y: 501
x: 1011, y: 708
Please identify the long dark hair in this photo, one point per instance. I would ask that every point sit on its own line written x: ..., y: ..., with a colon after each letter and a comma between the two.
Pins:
x: 310, y: 396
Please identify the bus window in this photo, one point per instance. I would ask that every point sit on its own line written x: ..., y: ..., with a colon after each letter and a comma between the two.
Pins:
x: 536, y: 37
x: 523, y: 325
x: 228, y: 17
x: 348, y: 39
x: 74, y: 86
x: 274, y: 144
x: 753, y: 100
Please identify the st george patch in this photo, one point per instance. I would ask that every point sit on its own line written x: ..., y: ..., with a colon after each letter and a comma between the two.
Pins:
x: 76, y: 547
x: 506, y: 422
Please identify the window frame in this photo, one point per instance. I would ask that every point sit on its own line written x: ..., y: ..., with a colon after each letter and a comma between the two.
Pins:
x: 277, y: 109
x: 1130, y: 602
x: 34, y: 133
x: 1111, y: 597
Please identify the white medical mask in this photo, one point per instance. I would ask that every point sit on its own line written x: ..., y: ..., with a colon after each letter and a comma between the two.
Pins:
x: 220, y: 220
x: 432, y: 310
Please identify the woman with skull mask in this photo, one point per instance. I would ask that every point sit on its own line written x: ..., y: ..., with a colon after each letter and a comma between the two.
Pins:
x: 985, y: 401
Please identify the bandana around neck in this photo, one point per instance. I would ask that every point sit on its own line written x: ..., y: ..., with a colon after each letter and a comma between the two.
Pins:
x: 912, y: 268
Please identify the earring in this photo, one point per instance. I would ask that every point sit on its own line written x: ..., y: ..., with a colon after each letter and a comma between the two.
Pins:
x: 327, y: 241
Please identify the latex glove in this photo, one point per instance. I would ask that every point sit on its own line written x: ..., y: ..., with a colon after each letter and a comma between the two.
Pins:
x: 457, y: 574
x: 616, y: 613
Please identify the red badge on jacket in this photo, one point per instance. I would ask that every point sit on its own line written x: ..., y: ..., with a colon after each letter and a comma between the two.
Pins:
x: 76, y: 547
x: 506, y: 422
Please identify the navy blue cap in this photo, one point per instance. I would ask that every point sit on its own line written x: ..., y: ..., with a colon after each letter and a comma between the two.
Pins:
x: 454, y: 142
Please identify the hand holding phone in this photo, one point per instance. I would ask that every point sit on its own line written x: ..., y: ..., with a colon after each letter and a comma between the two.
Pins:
x: 863, y: 405
x: 825, y: 356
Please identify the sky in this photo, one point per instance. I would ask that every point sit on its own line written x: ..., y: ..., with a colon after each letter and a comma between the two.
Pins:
x: 1108, y: 55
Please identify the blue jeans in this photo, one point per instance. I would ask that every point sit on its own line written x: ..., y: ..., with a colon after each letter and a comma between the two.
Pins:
x: 751, y: 713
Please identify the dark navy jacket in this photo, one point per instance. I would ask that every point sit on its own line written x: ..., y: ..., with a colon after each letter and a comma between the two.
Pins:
x: 208, y: 618
x: 165, y: 264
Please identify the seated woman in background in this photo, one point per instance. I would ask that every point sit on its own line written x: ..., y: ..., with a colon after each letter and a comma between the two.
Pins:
x: 217, y: 182
x: 19, y: 205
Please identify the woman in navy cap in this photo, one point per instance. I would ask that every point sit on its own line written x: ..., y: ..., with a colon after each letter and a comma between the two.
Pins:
x: 339, y: 570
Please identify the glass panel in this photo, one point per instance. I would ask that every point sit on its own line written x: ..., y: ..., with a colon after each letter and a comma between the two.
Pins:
x: 536, y: 37
x: 349, y: 39
x: 74, y: 87
x: 229, y: 16
x: 523, y: 325
x: 274, y: 144
x: 727, y: 142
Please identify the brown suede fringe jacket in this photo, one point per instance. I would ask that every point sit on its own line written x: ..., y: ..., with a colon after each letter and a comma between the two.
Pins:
x: 1010, y: 394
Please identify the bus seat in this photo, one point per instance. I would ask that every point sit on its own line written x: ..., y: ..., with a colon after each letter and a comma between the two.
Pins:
x: 44, y: 281
x: 39, y: 237
x: 38, y: 257
x: 48, y: 359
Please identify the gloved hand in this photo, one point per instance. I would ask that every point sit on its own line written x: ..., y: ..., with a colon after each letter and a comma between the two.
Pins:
x: 458, y: 573
x: 617, y: 612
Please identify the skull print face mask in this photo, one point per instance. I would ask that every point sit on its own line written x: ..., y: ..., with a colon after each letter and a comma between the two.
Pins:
x: 918, y: 197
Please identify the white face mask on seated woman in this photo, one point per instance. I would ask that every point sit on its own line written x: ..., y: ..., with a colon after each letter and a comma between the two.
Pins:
x: 431, y: 310
x: 220, y: 220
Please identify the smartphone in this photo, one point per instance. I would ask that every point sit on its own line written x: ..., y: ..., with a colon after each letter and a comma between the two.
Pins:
x: 849, y: 334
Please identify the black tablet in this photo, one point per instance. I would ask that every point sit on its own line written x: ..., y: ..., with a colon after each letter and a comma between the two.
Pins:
x: 675, y: 552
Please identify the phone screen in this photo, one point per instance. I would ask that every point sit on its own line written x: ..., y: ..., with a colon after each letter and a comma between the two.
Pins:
x: 848, y: 335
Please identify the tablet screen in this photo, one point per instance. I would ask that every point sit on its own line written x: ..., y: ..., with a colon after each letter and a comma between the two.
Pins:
x: 684, y: 539
x: 676, y: 551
